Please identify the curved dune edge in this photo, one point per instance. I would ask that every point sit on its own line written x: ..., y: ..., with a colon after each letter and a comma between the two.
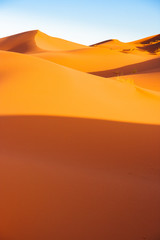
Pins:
x: 144, y: 74
x: 36, y: 41
x: 115, y: 44
x: 54, y: 176
x: 32, y: 86
x: 21, y: 42
x: 94, y: 59
x: 76, y: 56
x: 131, y: 69
x: 147, y: 81
x: 148, y: 39
x: 48, y: 43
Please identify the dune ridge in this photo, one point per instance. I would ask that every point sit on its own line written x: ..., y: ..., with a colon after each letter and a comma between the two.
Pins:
x: 35, y: 41
x: 150, y: 44
x: 148, y: 40
x: 149, y: 65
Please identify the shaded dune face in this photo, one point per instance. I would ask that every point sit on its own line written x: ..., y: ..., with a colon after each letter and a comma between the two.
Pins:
x: 85, y: 177
x: 149, y: 44
x: 152, y: 48
x: 131, y: 69
x: 22, y: 43
x: 148, y: 39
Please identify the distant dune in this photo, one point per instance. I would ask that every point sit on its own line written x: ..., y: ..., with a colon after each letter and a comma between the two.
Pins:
x: 148, y: 40
x: 79, y: 146
x: 149, y: 44
x: 114, y: 44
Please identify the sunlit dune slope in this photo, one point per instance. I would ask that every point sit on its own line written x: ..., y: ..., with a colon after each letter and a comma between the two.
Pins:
x: 145, y: 66
x: 144, y: 74
x: 94, y: 59
x: 33, y: 86
x: 149, y: 80
x: 110, y: 55
x: 35, y: 41
x: 104, y: 56
x: 71, y: 178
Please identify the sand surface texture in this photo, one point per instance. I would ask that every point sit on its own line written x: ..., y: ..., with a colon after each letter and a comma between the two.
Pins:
x: 80, y: 139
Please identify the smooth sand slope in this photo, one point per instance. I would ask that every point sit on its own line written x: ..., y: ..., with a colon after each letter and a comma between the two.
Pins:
x: 137, y: 68
x: 34, y: 86
x: 79, y: 153
x: 94, y: 59
x: 66, y: 178
x: 76, y: 56
x: 144, y: 74
x: 106, y: 56
x: 148, y: 80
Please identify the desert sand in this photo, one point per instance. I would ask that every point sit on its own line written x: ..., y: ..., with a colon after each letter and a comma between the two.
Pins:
x: 79, y: 146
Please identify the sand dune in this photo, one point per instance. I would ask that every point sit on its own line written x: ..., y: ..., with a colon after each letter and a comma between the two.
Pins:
x: 148, y: 40
x: 145, y: 74
x: 35, y: 41
x: 114, y: 44
x: 35, y: 86
x: 104, y: 56
x: 146, y: 66
x: 147, y: 80
x: 149, y: 44
x: 79, y: 153
x: 94, y: 59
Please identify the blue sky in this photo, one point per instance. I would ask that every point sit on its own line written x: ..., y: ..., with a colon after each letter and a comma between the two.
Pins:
x: 82, y: 21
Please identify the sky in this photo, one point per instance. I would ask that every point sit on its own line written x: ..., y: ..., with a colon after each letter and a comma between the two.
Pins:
x: 82, y: 21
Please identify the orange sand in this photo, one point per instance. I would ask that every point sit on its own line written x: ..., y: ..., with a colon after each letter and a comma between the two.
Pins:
x: 79, y: 153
